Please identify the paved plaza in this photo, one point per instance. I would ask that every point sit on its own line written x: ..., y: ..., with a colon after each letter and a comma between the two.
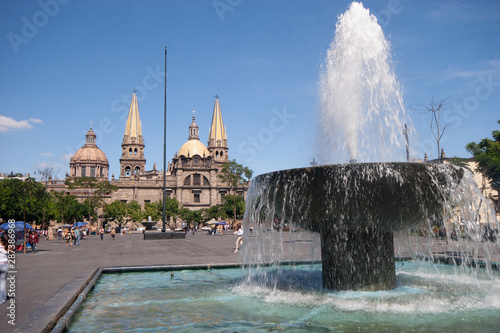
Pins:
x: 47, y: 280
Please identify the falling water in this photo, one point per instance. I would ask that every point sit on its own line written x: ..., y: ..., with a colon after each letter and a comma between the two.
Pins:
x: 361, y: 105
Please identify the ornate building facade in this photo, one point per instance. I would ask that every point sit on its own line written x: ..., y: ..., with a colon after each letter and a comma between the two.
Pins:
x: 192, y: 176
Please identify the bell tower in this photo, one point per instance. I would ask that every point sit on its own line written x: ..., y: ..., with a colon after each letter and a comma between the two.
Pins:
x: 132, y: 160
x: 217, y: 138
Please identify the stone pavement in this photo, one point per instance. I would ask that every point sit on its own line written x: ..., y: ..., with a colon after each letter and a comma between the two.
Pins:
x: 47, y: 280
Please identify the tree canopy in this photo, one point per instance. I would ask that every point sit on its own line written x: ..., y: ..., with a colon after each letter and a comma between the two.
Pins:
x: 487, y: 155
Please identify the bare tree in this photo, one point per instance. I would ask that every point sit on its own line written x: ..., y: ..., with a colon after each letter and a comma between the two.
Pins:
x: 433, y: 114
x: 45, y: 175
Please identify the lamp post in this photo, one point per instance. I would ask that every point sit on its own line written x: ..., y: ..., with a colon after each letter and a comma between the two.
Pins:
x: 164, y: 142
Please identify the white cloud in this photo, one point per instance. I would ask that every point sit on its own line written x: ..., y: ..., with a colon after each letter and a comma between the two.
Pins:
x: 8, y: 124
x: 35, y: 121
x: 46, y: 154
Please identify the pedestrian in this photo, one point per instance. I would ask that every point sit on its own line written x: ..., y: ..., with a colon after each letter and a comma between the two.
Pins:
x: 59, y: 234
x: 4, y: 267
x: 77, y: 237
x: 33, y: 240
x: 239, y: 240
x: 68, y: 237
x: 101, y: 231
x: 113, y: 233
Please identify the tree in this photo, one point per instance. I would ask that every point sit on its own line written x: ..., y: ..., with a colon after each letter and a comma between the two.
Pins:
x: 487, y: 155
x: 213, y: 212
x: 116, y: 211
x: 45, y: 175
x: 433, y: 110
x: 234, y: 175
x: 233, y: 206
x: 153, y: 209
x: 191, y: 215
x: 67, y: 208
x: 134, y: 211
x: 95, y: 190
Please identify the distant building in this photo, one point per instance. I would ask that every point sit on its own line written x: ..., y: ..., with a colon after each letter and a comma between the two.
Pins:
x: 192, y: 176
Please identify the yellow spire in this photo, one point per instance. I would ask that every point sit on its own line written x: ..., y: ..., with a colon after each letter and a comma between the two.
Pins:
x: 133, y: 129
x: 217, y: 135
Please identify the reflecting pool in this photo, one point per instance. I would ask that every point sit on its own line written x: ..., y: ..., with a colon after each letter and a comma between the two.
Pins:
x: 428, y: 297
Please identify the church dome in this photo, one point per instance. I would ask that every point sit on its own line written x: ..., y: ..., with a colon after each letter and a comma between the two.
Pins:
x: 90, y: 152
x: 193, y: 147
x: 89, y: 161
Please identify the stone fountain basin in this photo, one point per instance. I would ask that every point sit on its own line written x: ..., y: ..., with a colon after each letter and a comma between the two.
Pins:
x: 387, y: 196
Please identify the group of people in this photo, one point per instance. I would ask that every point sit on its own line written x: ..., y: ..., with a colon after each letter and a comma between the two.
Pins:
x: 72, y: 236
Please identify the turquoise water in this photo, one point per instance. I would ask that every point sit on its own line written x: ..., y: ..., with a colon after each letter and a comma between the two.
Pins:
x: 429, y: 298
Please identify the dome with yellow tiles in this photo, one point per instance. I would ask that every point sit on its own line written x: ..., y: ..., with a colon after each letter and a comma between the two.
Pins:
x: 193, y: 147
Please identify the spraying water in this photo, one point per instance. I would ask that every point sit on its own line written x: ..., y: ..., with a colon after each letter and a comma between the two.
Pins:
x: 361, y: 104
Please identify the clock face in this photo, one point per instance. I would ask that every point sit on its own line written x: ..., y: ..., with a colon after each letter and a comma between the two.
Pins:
x: 196, y: 161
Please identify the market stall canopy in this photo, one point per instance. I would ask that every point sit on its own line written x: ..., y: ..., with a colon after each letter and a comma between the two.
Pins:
x: 18, y: 226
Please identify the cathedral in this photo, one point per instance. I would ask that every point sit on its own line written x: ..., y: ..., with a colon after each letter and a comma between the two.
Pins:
x: 192, y: 176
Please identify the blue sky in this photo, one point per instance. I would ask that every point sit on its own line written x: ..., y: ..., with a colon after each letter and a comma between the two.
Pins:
x: 65, y: 63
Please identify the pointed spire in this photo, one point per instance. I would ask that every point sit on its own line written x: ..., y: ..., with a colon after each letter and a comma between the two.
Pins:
x: 133, y: 128
x: 217, y: 136
x: 193, y: 130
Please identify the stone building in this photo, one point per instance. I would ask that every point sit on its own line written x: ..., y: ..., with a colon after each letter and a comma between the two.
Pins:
x: 192, y: 176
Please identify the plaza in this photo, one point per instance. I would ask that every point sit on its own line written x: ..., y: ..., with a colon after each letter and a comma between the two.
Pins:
x: 49, y: 281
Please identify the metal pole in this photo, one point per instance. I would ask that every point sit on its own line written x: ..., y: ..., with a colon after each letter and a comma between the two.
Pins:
x: 164, y: 143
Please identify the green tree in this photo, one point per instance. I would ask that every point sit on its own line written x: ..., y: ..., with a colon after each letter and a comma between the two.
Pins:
x: 233, y: 206
x: 67, y: 208
x: 134, y: 211
x: 95, y: 191
x: 191, y: 215
x: 213, y: 212
x: 234, y: 175
x: 116, y: 211
x: 487, y: 155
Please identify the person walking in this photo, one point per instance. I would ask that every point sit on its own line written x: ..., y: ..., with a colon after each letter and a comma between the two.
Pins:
x: 101, y: 231
x: 4, y: 267
x: 239, y: 240
x: 113, y: 233
x: 59, y: 234
x: 33, y: 241
x: 77, y: 236
x: 68, y: 238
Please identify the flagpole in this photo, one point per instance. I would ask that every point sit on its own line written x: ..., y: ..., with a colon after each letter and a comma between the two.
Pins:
x: 164, y: 143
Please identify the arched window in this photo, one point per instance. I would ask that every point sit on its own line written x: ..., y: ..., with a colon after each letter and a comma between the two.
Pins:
x: 221, y: 153
x: 135, y: 151
x: 137, y: 169
x: 127, y: 171
x: 130, y: 151
x: 187, y: 180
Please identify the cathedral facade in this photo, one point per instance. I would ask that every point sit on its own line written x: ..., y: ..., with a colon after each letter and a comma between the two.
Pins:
x: 192, y: 176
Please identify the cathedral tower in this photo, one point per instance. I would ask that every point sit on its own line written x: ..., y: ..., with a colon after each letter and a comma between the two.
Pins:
x: 217, y: 138
x: 132, y: 160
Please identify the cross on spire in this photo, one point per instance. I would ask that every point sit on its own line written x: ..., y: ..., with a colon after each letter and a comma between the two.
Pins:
x: 134, y: 90
x: 217, y: 96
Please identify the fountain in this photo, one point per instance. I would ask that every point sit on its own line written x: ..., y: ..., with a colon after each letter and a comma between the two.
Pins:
x: 356, y: 207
